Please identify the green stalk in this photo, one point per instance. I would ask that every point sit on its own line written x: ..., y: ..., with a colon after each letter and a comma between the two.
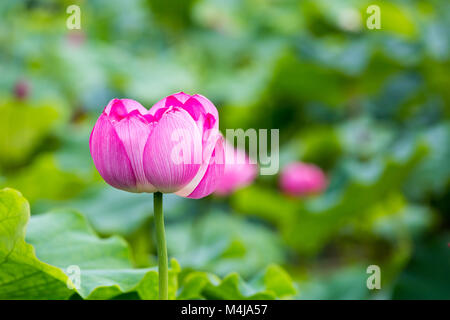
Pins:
x: 161, y: 244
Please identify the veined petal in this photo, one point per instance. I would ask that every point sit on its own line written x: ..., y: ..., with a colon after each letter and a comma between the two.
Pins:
x: 133, y: 131
x: 110, y: 157
x: 172, y: 154
x: 210, y: 173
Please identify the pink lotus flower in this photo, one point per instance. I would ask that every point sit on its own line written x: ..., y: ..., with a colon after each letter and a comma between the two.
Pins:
x: 239, y: 171
x: 298, y: 179
x: 175, y: 146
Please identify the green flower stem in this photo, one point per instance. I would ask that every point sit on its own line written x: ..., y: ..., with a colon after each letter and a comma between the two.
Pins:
x: 162, y: 248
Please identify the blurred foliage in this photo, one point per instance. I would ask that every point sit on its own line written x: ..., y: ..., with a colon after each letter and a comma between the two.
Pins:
x: 63, y: 239
x: 370, y: 107
x: 308, y: 225
x: 220, y: 242
x: 24, y: 127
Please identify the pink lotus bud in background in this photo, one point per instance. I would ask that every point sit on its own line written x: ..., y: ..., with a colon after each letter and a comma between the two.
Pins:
x: 21, y: 89
x: 173, y: 147
x: 239, y: 171
x: 298, y: 179
x: 76, y: 38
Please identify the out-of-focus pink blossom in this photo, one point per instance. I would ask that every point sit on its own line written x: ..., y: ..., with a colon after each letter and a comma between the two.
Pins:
x: 21, y: 89
x: 76, y: 38
x: 173, y: 147
x: 239, y: 171
x: 299, y: 179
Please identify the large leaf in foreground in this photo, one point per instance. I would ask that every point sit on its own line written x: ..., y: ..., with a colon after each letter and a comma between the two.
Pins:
x: 22, y: 275
x: 65, y: 240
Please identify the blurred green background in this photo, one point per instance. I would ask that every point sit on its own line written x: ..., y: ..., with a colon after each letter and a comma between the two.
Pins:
x: 370, y: 107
